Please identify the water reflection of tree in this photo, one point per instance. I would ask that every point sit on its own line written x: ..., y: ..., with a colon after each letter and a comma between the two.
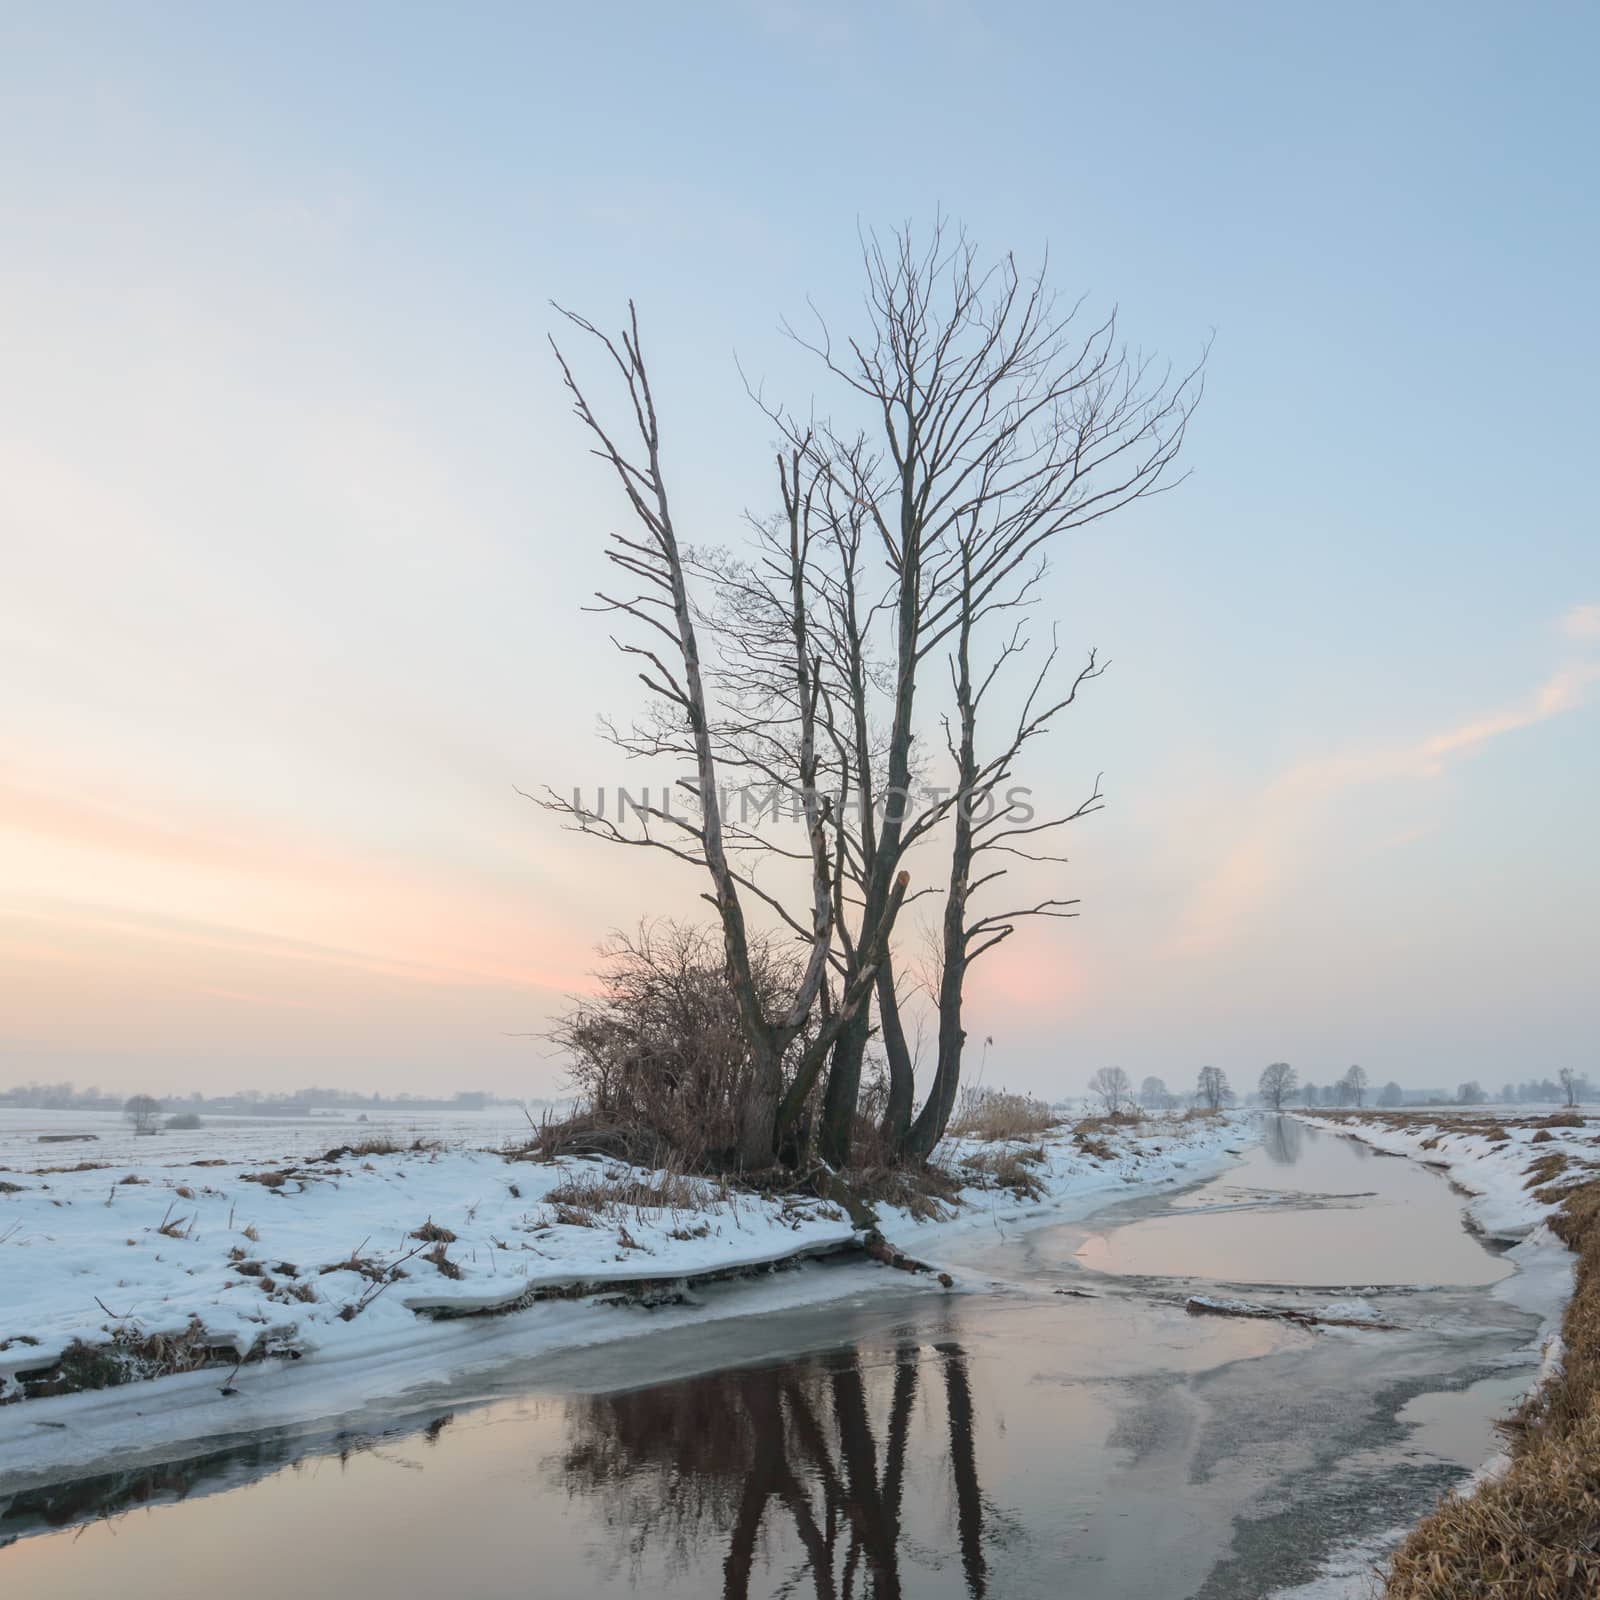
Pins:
x: 735, y: 1456
x: 1282, y: 1140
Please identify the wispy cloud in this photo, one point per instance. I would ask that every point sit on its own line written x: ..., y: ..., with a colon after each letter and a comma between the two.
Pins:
x: 1582, y: 622
x: 1283, y: 823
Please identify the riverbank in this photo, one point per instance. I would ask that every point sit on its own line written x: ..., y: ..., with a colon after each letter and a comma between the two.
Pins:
x: 1527, y: 1526
x: 156, y: 1292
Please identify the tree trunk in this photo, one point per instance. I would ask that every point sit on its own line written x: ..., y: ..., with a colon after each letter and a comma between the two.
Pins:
x: 902, y: 1079
x: 844, y: 1087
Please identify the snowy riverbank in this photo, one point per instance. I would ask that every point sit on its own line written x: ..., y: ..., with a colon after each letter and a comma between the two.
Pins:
x: 1512, y: 1173
x: 348, y: 1271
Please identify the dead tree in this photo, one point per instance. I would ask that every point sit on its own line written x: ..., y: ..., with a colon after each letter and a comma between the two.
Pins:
x: 994, y: 424
x: 681, y: 722
x: 988, y: 422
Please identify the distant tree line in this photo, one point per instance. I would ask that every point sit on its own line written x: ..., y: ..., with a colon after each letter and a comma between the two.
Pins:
x: 64, y: 1097
x: 1279, y: 1086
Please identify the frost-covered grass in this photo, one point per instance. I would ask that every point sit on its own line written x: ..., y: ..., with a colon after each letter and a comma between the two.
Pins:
x: 128, y: 1257
x: 1528, y: 1528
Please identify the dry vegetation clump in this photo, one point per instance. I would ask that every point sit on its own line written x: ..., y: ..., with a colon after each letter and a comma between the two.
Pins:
x: 659, y: 1056
x: 365, y: 1266
x: 379, y: 1145
x: 432, y: 1233
x: 928, y: 1192
x: 1011, y: 1169
x: 586, y: 1197
x: 1087, y: 1135
x: 126, y: 1357
x: 1547, y: 1168
x: 1534, y: 1533
x: 442, y: 1261
x: 991, y: 1114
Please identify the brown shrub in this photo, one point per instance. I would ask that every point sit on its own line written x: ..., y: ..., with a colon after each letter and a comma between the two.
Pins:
x: 659, y: 1057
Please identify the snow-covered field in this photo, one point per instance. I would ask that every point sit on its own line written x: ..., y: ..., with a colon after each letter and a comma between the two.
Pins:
x: 279, y: 1240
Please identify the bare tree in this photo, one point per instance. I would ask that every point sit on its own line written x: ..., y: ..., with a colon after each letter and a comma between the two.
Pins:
x: 1212, y: 1090
x: 996, y: 424
x: 1391, y: 1095
x: 1570, y: 1084
x: 992, y: 421
x: 1112, y: 1087
x: 1154, y: 1095
x: 682, y: 723
x: 1277, y: 1084
x: 1471, y: 1094
x: 1353, y: 1087
x: 144, y: 1112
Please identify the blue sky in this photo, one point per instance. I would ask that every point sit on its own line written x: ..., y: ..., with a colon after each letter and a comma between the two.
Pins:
x: 300, y: 527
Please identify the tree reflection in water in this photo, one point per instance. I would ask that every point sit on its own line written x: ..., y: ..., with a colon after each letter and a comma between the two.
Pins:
x: 1281, y: 1140
x: 741, y: 1457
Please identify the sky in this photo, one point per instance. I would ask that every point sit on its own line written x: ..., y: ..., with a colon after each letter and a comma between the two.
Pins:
x: 297, y: 527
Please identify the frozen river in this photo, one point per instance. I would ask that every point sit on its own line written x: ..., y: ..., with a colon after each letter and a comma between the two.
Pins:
x: 1064, y: 1427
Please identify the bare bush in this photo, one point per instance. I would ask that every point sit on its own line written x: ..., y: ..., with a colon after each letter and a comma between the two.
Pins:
x: 659, y: 1058
x: 144, y: 1112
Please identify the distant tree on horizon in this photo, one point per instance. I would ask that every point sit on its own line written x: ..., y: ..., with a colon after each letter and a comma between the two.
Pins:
x: 143, y: 1111
x: 1112, y: 1087
x: 1212, y: 1089
x: 1570, y: 1082
x: 1470, y: 1094
x: 1277, y: 1083
x: 1354, y: 1086
x: 1154, y: 1095
x: 1391, y: 1094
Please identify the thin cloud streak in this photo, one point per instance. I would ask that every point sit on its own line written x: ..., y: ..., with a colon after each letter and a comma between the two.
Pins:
x: 1582, y: 622
x: 1294, y: 806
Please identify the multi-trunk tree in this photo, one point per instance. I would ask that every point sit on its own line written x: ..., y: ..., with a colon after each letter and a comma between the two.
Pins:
x: 888, y: 596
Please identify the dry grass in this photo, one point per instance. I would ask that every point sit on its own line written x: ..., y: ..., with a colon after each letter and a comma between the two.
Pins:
x: 1011, y: 1169
x: 927, y: 1191
x: 586, y: 1199
x: 431, y: 1233
x: 372, y: 1270
x: 126, y: 1357
x: 442, y: 1261
x: 993, y: 1114
x: 379, y: 1145
x: 1534, y: 1533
